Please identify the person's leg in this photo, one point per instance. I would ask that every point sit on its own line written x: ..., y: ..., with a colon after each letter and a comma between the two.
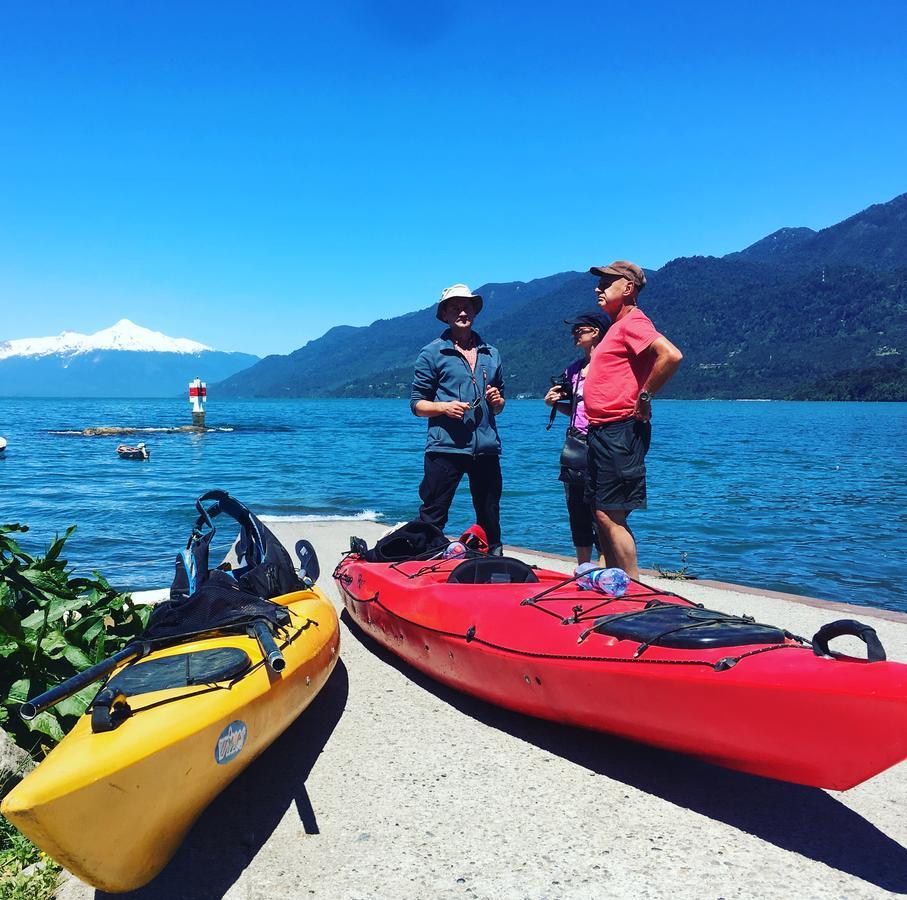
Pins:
x: 619, y: 487
x: 485, y: 486
x: 443, y: 472
x: 580, y: 521
x: 617, y: 541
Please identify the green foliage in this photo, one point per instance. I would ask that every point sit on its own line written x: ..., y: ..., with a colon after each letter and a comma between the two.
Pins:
x: 52, y: 626
x: 799, y: 315
x: 18, y: 854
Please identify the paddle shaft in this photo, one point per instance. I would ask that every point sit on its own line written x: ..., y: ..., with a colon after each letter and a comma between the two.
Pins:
x: 32, y: 708
x: 273, y: 656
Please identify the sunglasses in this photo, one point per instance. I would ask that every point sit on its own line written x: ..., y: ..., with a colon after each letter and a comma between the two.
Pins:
x: 578, y: 332
x: 475, y: 404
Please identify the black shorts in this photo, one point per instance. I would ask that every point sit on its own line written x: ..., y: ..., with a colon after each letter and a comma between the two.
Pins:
x: 616, y: 477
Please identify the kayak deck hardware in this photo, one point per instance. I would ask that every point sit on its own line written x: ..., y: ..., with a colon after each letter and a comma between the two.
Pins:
x: 109, y: 710
x: 875, y: 652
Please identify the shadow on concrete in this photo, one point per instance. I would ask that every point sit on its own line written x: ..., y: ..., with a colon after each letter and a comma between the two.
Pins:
x: 232, y: 830
x: 801, y: 819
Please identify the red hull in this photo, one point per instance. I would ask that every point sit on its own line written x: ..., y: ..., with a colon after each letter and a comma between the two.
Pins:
x: 780, y: 711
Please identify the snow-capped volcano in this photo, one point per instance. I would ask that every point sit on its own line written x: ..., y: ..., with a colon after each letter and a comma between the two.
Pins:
x: 124, y: 360
x: 124, y: 335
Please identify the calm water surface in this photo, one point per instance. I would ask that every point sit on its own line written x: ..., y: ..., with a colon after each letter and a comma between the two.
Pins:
x: 801, y: 497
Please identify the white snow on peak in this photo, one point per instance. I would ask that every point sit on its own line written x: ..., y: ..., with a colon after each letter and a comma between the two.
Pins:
x: 125, y: 335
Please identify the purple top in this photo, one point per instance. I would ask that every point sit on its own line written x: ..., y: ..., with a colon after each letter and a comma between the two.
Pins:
x: 575, y: 374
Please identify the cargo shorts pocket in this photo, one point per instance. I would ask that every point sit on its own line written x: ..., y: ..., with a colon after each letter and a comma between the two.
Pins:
x: 632, y: 471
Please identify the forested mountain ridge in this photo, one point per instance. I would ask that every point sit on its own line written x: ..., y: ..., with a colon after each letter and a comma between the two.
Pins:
x: 790, y: 316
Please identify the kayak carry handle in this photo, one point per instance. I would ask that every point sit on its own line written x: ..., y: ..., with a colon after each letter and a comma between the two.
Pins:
x: 273, y: 657
x: 31, y: 708
x: 875, y: 652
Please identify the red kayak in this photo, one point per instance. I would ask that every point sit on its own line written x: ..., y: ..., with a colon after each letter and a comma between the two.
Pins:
x: 650, y: 665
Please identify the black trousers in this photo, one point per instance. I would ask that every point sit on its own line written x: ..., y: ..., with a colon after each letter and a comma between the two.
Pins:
x: 443, y: 473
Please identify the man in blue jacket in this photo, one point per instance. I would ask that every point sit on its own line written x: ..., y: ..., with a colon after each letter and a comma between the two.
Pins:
x: 458, y: 386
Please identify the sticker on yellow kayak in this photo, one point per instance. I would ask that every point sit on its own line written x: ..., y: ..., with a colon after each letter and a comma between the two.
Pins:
x: 230, y: 743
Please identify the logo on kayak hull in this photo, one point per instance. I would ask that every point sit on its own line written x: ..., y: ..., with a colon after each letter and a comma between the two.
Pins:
x: 230, y: 743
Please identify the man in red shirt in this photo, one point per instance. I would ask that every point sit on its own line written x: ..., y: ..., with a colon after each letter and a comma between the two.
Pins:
x: 630, y: 365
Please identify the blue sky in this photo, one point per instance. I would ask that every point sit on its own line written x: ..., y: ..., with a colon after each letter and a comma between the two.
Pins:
x: 249, y: 175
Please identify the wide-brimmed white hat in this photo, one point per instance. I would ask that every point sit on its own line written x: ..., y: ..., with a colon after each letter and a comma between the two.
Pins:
x: 458, y: 292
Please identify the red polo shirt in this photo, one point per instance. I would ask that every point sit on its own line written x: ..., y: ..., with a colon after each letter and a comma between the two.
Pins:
x: 619, y: 368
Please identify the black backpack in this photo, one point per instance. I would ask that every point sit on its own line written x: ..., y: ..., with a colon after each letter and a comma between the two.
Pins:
x: 410, y: 541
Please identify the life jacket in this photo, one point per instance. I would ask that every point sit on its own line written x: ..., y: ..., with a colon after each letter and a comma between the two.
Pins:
x: 202, y: 598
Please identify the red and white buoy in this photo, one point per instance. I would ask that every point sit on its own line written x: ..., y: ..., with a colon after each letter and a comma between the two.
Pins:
x: 198, y: 394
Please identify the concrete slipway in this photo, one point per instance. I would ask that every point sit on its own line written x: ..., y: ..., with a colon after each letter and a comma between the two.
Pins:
x: 392, y: 786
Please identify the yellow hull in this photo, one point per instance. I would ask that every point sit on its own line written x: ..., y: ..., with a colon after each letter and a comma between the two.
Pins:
x: 113, y: 807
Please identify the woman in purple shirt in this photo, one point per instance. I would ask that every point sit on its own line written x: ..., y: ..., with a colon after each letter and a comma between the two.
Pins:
x: 587, y: 329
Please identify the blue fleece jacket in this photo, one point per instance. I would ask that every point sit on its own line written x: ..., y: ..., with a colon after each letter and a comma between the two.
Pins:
x: 443, y: 374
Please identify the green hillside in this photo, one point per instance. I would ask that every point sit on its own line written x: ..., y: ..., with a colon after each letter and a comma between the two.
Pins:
x: 799, y: 314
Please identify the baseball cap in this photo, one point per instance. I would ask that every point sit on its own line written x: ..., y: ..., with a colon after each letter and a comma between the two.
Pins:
x: 594, y: 319
x: 620, y: 268
x: 458, y: 292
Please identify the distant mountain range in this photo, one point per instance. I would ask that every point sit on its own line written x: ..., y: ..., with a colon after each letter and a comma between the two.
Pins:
x: 124, y: 360
x: 798, y: 314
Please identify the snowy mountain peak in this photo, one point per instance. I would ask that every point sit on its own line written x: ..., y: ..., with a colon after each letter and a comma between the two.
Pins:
x: 124, y: 335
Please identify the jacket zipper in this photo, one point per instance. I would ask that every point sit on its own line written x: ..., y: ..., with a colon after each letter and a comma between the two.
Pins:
x: 472, y: 375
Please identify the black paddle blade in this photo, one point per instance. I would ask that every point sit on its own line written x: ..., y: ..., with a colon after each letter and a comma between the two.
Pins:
x: 308, y: 560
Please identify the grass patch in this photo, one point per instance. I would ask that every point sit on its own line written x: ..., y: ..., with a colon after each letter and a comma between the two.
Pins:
x: 18, y: 854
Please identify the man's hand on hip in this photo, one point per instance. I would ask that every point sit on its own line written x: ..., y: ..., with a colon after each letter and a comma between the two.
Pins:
x: 643, y: 410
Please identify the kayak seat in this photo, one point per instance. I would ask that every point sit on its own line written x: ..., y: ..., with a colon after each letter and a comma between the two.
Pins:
x: 182, y: 670
x: 492, y: 570
x: 687, y: 628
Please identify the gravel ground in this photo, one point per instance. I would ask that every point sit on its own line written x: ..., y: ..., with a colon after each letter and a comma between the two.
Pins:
x: 393, y: 786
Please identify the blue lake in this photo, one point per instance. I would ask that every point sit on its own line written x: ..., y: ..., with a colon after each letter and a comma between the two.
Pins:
x: 801, y: 497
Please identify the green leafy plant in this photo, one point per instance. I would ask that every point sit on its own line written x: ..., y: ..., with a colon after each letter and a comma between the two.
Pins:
x: 53, y: 625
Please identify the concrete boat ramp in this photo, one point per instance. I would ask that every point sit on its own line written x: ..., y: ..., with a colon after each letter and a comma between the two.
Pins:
x: 393, y: 786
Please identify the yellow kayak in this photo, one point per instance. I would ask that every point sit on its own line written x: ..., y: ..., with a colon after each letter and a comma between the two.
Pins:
x: 113, y: 806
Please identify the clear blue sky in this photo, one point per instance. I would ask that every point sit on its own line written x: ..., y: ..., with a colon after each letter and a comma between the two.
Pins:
x: 249, y: 175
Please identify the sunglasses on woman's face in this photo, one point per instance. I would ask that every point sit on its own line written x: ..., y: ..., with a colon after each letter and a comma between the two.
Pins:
x: 579, y: 332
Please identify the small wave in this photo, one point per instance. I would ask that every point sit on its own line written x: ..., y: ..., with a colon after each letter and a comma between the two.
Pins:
x: 367, y: 515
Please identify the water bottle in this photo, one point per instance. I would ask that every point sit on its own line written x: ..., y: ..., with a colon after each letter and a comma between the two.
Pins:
x: 612, y: 582
x: 454, y: 550
x: 580, y: 574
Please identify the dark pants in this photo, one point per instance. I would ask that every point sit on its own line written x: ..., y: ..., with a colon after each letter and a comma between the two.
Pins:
x: 581, y: 514
x: 443, y: 472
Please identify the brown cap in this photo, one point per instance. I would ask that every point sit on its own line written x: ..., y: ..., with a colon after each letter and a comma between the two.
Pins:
x: 620, y: 268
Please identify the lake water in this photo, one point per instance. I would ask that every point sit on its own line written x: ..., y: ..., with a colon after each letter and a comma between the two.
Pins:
x: 800, y: 497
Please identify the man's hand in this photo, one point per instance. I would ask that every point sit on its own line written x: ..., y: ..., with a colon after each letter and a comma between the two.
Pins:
x: 643, y: 410
x: 494, y: 399
x: 456, y: 409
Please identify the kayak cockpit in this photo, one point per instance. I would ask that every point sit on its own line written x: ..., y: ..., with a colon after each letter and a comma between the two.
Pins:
x: 493, y: 570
